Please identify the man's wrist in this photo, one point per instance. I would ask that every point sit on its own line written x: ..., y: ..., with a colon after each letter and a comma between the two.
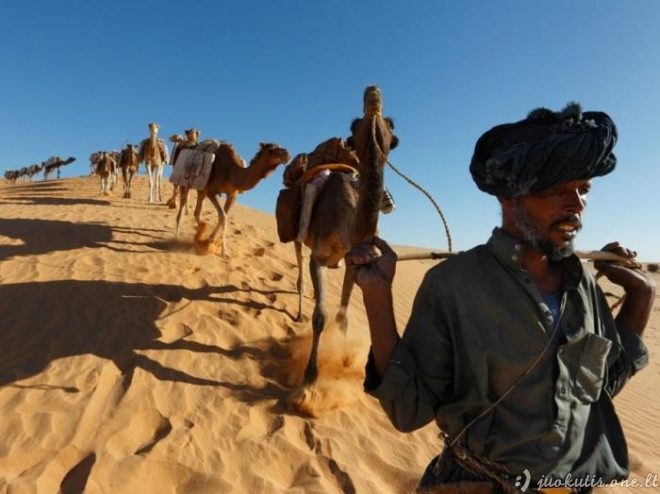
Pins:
x: 378, y: 292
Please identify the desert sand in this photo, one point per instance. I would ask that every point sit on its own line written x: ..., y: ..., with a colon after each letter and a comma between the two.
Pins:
x: 131, y: 364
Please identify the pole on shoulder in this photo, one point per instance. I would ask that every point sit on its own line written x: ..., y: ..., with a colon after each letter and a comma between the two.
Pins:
x: 592, y: 255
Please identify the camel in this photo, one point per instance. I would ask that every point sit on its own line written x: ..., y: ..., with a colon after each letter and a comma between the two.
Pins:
x: 54, y: 164
x: 106, y: 169
x: 153, y: 151
x: 344, y: 215
x: 12, y: 175
x: 33, y: 171
x: 129, y: 162
x: 230, y: 176
x: 94, y: 160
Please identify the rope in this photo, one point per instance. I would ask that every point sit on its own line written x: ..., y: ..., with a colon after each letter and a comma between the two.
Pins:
x: 435, y: 204
x: 480, y: 465
x: 372, y: 115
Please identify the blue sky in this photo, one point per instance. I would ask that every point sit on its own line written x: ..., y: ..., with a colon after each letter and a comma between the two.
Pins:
x: 82, y: 76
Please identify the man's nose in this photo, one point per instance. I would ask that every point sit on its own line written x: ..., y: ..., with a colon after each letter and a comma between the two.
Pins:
x: 576, y: 201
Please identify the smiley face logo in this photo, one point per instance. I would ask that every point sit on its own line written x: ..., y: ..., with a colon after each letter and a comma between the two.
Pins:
x: 522, y: 481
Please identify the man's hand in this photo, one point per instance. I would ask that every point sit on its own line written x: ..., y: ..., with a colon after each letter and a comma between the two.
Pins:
x: 372, y: 263
x: 625, y: 274
x: 639, y: 288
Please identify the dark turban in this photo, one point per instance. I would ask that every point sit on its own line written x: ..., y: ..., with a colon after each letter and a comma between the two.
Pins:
x: 545, y: 149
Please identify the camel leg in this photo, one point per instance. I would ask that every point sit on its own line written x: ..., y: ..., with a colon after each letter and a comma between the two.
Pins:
x: 159, y: 175
x: 223, y: 214
x: 318, y: 318
x: 222, y: 217
x: 125, y: 178
x: 229, y: 202
x: 300, y: 284
x: 346, y: 290
x: 183, y: 202
x: 171, y: 202
x: 150, y: 171
x: 198, y: 206
x: 130, y: 182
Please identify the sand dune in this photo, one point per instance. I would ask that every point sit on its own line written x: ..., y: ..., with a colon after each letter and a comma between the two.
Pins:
x: 130, y: 364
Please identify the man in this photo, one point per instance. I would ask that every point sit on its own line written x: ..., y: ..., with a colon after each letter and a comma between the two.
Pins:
x: 511, y: 347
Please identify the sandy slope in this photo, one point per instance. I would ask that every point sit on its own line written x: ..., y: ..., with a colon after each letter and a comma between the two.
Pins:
x: 130, y: 364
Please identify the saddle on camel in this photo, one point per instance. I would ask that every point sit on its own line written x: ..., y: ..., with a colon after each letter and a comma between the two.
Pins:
x: 192, y: 160
x: 303, y: 180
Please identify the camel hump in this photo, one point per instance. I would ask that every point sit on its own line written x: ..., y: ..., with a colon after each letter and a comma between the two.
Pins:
x: 52, y: 160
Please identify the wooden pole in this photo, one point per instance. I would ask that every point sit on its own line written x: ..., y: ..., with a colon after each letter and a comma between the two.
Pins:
x: 592, y: 255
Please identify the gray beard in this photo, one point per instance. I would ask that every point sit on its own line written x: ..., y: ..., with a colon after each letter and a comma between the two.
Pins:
x: 530, y: 234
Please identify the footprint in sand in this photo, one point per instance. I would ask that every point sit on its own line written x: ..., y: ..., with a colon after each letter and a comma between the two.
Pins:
x: 260, y: 252
x: 174, y: 332
x: 260, y: 424
x: 143, y: 432
x: 276, y: 276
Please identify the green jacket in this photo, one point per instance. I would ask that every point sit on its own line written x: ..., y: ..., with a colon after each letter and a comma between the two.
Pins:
x: 477, y: 324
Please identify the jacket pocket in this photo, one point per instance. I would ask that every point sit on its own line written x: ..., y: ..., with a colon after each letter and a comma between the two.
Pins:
x: 591, y: 371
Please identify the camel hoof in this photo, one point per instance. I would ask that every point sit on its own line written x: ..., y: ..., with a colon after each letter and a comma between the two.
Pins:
x: 304, y: 400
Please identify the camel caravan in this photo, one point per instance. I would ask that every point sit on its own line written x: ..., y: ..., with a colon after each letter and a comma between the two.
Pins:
x: 332, y: 198
x: 28, y: 173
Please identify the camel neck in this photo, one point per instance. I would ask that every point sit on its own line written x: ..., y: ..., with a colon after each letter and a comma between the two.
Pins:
x: 371, y: 184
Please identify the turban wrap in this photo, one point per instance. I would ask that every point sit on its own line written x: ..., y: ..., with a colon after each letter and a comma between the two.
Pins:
x: 545, y: 149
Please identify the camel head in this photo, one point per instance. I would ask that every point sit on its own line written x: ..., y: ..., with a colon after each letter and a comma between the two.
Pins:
x: 372, y: 136
x: 154, y: 128
x: 270, y: 156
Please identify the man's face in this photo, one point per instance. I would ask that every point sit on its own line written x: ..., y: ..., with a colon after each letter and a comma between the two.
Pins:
x: 549, y: 220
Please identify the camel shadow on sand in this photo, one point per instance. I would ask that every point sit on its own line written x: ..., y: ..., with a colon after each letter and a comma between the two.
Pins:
x: 44, y: 236
x: 114, y: 321
x: 46, y: 194
x: 58, y: 201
